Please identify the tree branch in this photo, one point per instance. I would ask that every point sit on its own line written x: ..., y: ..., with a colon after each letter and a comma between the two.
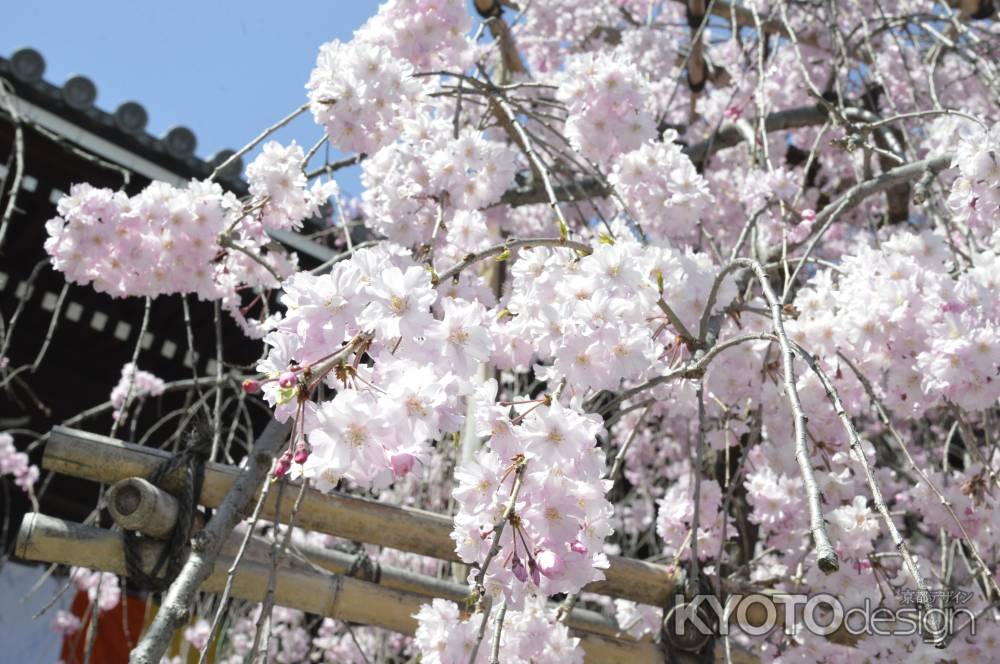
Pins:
x: 206, y: 545
x: 826, y: 556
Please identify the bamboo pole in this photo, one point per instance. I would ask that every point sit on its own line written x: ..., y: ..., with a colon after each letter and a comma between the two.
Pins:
x: 333, y: 595
x: 137, y: 496
x: 101, y: 459
x: 310, y: 557
x: 136, y: 504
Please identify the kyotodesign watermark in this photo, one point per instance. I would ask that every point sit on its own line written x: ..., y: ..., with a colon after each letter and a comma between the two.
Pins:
x: 933, y: 615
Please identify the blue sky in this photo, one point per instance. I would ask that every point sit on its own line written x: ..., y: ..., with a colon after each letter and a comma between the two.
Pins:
x: 225, y: 69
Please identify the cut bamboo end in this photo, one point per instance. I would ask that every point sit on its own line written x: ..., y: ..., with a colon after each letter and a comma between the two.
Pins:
x: 136, y: 504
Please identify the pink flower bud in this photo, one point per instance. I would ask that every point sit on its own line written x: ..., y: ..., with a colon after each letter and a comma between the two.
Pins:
x: 576, y: 546
x: 550, y: 564
x: 808, y: 215
x: 402, y: 464
x: 533, y: 570
x: 251, y: 386
x: 301, y: 453
x: 284, y: 465
x: 287, y: 379
x: 952, y: 308
x: 518, y: 569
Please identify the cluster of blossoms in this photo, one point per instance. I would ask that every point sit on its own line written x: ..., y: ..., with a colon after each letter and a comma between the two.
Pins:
x: 553, y: 543
x: 596, y: 317
x: 65, y: 622
x: 382, y: 419
x: 975, y: 193
x: 364, y: 91
x: 607, y: 103
x: 16, y: 464
x: 967, y: 494
x: 163, y: 240
x: 427, y: 175
x: 775, y: 497
x: 531, y: 634
x: 675, y: 518
x: 361, y: 95
x: 102, y: 588
x: 855, y: 528
x: 137, y: 383
x: 661, y: 187
x: 428, y: 34
x: 935, y: 336
x: 197, y: 239
x: 278, y: 183
x: 290, y: 641
x: 294, y: 640
x: 198, y: 633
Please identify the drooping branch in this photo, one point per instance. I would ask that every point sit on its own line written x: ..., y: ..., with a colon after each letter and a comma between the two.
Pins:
x: 259, y: 138
x: 826, y: 555
x: 886, y: 419
x: 509, y: 245
x: 858, y: 193
x: 7, y: 103
x: 855, y: 442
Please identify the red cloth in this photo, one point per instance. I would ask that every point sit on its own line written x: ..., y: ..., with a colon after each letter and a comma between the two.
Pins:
x: 112, y: 645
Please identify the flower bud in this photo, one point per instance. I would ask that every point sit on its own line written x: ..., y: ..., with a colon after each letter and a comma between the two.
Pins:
x: 533, y: 571
x: 550, y: 564
x: 518, y: 569
x: 251, y: 386
x: 283, y: 466
x: 576, y: 546
x: 402, y: 464
x: 287, y: 379
x: 301, y: 453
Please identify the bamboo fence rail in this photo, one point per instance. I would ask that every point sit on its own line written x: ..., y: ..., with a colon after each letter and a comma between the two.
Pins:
x: 101, y: 459
x: 333, y: 595
x: 134, y: 496
x: 311, y: 578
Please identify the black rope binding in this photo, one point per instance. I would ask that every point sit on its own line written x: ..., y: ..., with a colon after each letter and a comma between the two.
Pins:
x: 681, y: 637
x: 365, y: 567
x: 168, y: 564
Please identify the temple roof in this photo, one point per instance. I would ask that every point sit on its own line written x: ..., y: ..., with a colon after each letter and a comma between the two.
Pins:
x: 74, y: 102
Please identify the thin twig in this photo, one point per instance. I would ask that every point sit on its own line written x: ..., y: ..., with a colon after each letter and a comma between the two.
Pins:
x: 260, y: 137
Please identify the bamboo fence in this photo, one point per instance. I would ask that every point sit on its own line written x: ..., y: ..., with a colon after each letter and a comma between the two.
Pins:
x: 309, y: 578
x: 106, y: 460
